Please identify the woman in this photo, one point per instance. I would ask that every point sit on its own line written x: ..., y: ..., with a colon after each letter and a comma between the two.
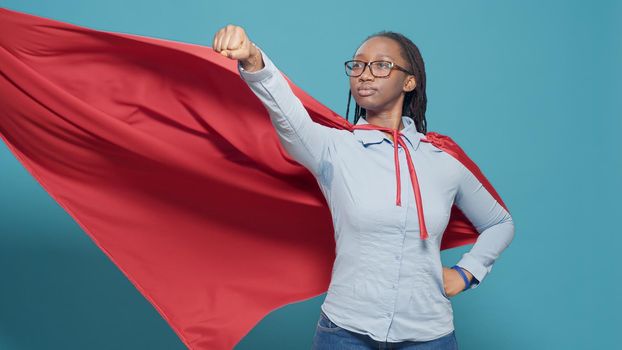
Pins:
x: 388, y: 288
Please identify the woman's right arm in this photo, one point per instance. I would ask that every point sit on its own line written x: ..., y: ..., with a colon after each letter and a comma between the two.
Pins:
x: 305, y: 140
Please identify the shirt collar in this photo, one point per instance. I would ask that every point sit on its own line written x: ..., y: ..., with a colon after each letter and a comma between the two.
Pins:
x: 368, y: 137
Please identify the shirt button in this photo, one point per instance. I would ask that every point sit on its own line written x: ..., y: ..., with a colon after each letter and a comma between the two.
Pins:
x: 397, y: 257
x: 393, y: 286
x: 388, y: 314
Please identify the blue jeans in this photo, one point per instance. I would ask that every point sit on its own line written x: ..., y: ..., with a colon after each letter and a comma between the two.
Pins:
x: 329, y: 336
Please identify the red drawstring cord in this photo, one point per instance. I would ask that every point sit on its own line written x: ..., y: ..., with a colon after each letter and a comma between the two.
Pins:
x: 397, y: 136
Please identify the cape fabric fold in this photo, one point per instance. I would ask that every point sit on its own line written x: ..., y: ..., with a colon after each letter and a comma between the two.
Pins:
x: 167, y: 160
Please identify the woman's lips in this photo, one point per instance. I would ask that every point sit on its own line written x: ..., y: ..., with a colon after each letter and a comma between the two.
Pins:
x: 366, y: 92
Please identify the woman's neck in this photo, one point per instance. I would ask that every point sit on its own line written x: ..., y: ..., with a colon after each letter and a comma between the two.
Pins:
x: 386, y: 120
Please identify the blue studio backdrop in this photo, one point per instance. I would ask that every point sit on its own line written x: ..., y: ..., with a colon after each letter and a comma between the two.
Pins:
x: 531, y: 91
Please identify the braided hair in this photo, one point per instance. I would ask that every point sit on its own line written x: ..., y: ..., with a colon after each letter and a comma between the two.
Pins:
x: 414, y: 101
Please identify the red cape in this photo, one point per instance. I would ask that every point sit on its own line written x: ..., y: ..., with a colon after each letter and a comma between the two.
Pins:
x: 166, y: 159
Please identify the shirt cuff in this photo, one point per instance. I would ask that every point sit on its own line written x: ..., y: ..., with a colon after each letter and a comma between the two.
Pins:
x: 476, y: 269
x: 258, y: 75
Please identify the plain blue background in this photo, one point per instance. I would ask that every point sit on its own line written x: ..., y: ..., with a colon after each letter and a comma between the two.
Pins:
x: 530, y: 89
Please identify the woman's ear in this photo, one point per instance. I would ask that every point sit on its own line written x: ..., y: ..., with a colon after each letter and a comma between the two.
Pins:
x: 410, y: 84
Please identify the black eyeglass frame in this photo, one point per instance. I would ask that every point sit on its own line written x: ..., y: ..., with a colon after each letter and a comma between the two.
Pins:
x: 393, y: 66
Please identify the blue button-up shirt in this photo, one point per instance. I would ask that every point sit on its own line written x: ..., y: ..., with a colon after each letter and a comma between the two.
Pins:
x: 386, y: 281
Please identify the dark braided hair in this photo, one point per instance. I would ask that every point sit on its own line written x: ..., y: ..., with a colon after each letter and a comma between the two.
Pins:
x: 414, y: 101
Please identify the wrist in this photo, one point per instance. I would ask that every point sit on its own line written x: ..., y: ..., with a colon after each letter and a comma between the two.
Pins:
x: 254, y: 62
x: 468, y: 274
x: 467, y: 277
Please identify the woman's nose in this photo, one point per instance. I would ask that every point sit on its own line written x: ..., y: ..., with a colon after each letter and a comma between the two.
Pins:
x: 366, y: 75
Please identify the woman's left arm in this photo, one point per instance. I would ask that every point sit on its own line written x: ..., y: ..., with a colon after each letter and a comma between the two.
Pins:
x: 490, y: 219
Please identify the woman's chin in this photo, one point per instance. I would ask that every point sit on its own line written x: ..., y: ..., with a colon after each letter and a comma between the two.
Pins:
x: 367, y: 105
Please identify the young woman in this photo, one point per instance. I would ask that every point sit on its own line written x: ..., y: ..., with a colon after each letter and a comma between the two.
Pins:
x: 388, y: 288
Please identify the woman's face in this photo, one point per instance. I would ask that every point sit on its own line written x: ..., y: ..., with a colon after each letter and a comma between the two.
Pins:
x: 384, y: 94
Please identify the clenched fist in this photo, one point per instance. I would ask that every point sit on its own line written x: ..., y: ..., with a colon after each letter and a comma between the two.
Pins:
x: 231, y: 41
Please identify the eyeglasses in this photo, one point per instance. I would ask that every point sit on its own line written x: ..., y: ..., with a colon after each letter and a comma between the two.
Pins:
x: 378, y: 69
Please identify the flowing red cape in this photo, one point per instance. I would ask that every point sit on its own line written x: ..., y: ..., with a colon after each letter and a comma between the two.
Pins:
x: 168, y: 161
